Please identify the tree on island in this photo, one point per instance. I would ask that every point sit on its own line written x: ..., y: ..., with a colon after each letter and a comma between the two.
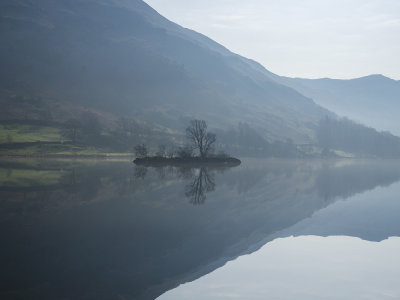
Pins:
x: 162, y: 150
x: 200, y: 139
x: 141, y: 150
x: 185, y: 151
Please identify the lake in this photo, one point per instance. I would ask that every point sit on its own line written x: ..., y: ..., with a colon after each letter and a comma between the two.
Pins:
x: 267, y: 229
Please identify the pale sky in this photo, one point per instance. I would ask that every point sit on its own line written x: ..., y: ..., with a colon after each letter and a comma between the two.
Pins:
x: 300, y: 38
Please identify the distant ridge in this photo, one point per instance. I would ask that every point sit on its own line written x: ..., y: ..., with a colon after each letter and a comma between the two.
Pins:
x: 372, y: 100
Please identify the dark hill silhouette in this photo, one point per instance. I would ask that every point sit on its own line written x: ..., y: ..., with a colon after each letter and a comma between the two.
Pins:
x: 123, y: 58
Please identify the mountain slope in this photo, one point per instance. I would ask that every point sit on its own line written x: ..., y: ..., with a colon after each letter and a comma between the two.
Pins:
x: 372, y: 100
x: 123, y: 58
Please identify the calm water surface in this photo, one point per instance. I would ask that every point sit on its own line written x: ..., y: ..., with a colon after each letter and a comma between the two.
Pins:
x: 267, y: 229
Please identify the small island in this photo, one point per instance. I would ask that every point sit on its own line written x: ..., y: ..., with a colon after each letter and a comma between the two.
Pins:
x: 201, y: 142
x: 189, y: 161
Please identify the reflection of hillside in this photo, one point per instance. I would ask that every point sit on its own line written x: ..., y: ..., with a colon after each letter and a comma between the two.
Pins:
x: 348, y: 180
x: 138, y: 237
x: 32, y: 187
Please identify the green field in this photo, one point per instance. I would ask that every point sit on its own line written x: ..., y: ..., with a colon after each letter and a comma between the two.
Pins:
x: 19, y: 133
x: 26, y: 140
x: 62, y: 150
x: 28, y: 178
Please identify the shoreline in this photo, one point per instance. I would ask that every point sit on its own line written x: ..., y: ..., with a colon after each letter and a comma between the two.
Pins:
x: 72, y: 156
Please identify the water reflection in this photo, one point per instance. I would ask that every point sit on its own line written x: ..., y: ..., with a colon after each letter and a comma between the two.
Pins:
x: 200, y: 180
x: 106, y: 230
x: 318, y: 257
x: 202, y: 183
x: 303, y: 268
x: 140, y: 172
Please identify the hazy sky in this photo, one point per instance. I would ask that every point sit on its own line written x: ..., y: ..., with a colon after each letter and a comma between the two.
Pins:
x: 300, y: 38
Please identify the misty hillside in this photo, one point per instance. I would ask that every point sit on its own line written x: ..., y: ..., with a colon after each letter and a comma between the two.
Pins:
x: 372, y: 100
x: 121, y: 58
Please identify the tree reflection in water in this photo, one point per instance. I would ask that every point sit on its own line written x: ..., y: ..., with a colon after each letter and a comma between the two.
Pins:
x: 140, y: 172
x: 203, y: 182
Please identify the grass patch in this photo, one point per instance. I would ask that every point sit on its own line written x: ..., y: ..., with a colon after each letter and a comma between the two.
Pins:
x: 62, y: 149
x: 21, y: 133
x: 28, y: 178
x: 41, y: 140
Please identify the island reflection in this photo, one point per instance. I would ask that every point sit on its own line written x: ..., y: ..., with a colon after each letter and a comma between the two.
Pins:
x: 200, y: 180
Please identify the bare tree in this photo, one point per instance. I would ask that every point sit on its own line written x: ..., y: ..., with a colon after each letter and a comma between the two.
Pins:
x: 162, y: 151
x: 141, y: 150
x: 140, y: 172
x: 185, y: 151
x: 199, y: 137
x: 171, y: 152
